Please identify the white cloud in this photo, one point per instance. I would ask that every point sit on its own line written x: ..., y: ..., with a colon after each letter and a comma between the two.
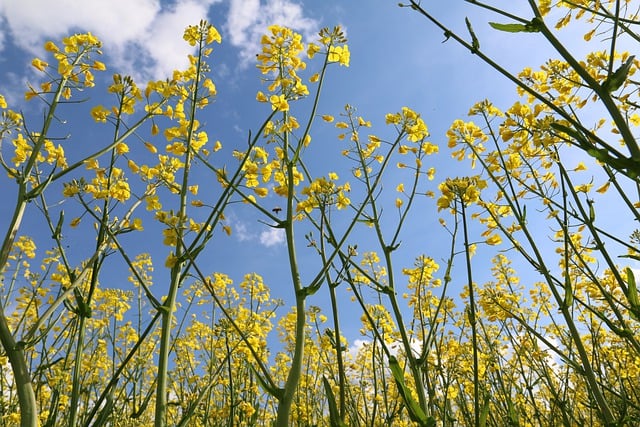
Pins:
x: 162, y: 40
x: 272, y: 237
x: 357, y: 346
x: 248, y: 21
x: 241, y: 232
x: 245, y: 232
x: 143, y: 37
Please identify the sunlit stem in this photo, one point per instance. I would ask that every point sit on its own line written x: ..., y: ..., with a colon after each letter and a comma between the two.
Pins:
x: 472, y: 317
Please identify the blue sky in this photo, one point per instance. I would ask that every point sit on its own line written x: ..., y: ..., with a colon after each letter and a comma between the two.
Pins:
x: 397, y: 59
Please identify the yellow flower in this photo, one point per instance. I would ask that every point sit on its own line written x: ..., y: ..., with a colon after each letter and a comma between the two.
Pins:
x: 3, y: 102
x: 120, y: 191
x: 70, y: 190
x: 122, y: 148
x: 191, y: 35
x: 343, y: 201
x: 22, y: 150
x: 261, y: 191
x: 171, y: 260
x: 210, y: 86
x: 327, y: 118
x: 51, y: 47
x: 100, y: 114
x: 581, y: 167
x: 39, y: 64
x: 132, y: 166
x: 279, y: 103
x: 213, y: 35
x: 137, y: 224
x: 392, y: 119
x: 494, y: 239
x: 603, y: 188
x: 312, y: 49
x: 153, y: 203
x: 340, y: 54
x: 151, y: 147
x: 28, y: 96
x: 97, y: 65
x: 27, y: 246
x: 584, y: 188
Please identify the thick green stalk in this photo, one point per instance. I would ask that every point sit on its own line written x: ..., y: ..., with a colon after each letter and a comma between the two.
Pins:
x: 293, y: 378
x: 21, y: 376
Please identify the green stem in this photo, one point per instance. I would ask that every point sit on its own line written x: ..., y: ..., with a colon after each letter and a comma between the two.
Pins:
x: 472, y: 319
x: 293, y: 378
x: 15, y: 354
x: 177, y: 275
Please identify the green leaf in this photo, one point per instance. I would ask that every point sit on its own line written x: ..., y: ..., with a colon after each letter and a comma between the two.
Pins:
x: 617, y: 78
x: 415, y: 411
x: 632, y: 294
x: 484, y: 413
x: 636, y: 257
x: 275, y: 392
x: 530, y: 27
x: 568, y: 293
x: 334, y: 416
x: 509, y: 28
x: 57, y: 232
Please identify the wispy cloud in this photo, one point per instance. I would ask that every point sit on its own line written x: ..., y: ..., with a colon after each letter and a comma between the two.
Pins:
x: 143, y: 38
x: 241, y: 232
x: 249, y: 19
x: 272, y: 237
x: 246, y: 232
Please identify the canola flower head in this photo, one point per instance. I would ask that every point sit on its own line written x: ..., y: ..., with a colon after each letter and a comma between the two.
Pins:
x: 465, y: 190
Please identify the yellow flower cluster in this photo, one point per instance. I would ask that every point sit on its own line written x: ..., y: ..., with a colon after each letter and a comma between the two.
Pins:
x: 204, y: 34
x: 410, y: 123
x: 10, y: 121
x: 112, y: 186
x: 23, y: 147
x: 465, y: 190
x: 323, y: 192
x: 24, y: 245
x: 74, y: 63
x: 280, y: 58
